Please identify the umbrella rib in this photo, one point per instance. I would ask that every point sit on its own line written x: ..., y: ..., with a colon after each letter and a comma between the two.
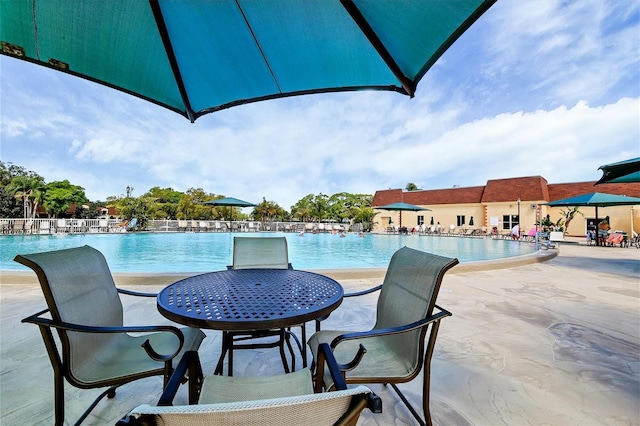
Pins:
x: 35, y: 29
x: 175, y: 68
x: 408, y: 85
x: 264, y: 57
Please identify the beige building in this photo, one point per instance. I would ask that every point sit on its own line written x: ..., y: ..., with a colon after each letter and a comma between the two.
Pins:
x: 502, y: 203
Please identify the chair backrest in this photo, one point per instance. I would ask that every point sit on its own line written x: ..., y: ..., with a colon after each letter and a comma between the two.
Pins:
x: 409, y: 294
x: 318, y: 409
x: 79, y: 289
x: 260, y: 253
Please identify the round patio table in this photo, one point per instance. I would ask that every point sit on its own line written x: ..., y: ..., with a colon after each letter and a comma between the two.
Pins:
x: 250, y: 300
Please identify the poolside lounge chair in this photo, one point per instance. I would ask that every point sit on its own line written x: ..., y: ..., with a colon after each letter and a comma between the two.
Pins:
x: 286, y: 399
x: 395, y: 347
x: 44, y: 227
x: 62, y: 225
x: 615, y: 238
x: 556, y: 236
x: 18, y: 226
x: 260, y: 253
x: 103, y: 225
x: 96, y: 350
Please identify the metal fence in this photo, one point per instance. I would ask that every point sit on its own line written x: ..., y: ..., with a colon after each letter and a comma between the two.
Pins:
x: 81, y: 226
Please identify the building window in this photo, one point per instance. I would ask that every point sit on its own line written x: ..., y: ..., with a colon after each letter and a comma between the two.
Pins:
x: 460, y: 220
x: 509, y: 221
x: 420, y: 220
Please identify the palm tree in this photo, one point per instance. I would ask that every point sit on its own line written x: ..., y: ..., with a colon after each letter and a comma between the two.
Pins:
x: 568, y: 216
x: 31, y: 190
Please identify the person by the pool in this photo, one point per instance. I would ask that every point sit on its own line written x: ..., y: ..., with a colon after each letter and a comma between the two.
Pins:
x: 603, y: 230
x: 515, y: 232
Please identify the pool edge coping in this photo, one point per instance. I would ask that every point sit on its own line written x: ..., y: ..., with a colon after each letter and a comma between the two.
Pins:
x: 10, y: 277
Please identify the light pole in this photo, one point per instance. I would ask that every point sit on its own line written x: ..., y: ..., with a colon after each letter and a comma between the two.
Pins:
x: 519, y: 225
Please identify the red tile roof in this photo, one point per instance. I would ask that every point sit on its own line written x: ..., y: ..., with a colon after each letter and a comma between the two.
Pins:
x: 531, y: 188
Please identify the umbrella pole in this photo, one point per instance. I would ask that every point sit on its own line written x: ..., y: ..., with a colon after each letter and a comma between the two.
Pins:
x: 597, y: 228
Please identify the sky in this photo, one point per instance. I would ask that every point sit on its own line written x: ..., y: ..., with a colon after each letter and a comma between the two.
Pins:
x: 534, y: 88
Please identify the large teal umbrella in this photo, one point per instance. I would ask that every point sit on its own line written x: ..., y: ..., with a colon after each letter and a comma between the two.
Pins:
x: 229, y: 202
x: 197, y: 57
x: 400, y: 207
x: 621, y: 172
x: 596, y: 199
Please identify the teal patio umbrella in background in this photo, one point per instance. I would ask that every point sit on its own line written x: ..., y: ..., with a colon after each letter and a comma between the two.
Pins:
x: 621, y: 172
x: 596, y: 199
x: 229, y: 202
x: 199, y: 57
x: 400, y: 207
x: 471, y: 221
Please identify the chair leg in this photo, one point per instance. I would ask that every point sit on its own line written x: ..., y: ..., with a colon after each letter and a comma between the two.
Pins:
x: 59, y: 399
x: 110, y: 391
x: 303, y: 348
x: 284, y: 338
x: 407, y: 404
x: 220, y: 366
x: 229, y: 344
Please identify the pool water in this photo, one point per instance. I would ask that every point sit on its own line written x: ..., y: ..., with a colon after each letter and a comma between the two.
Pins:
x: 201, y: 252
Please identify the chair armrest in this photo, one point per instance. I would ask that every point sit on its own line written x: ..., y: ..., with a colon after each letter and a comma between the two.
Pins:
x: 360, y: 293
x: 325, y: 356
x: 136, y: 293
x: 393, y: 330
x: 190, y: 363
x: 50, y: 323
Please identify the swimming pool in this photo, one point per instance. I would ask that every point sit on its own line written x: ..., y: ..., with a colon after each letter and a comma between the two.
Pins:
x: 201, y: 252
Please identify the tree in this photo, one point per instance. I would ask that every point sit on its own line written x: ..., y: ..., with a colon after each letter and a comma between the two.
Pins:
x: 30, y: 190
x: 165, y: 205
x: 411, y: 187
x: 60, y: 195
x: 568, y: 216
x: 9, y: 205
x: 365, y: 216
x: 302, y: 209
x: 320, y: 207
x: 268, y: 211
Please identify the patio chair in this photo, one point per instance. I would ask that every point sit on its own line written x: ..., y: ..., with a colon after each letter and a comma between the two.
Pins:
x: 103, y: 225
x: 261, y: 253
x: 62, y: 225
x: 395, y: 347
x: 286, y: 399
x: 95, y: 349
x: 18, y: 226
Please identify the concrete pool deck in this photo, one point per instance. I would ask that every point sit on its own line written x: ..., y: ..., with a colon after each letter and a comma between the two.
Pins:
x: 556, y: 343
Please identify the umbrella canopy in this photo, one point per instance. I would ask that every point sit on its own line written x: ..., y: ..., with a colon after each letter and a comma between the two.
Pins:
x: 229, y: 202
x: 197, y: 57
x: 596, y: 199
x: 621, y: 172
x: 402, y: 207
x: 471, y: 221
